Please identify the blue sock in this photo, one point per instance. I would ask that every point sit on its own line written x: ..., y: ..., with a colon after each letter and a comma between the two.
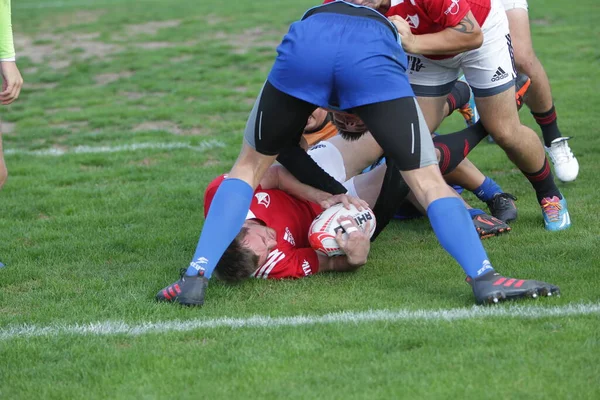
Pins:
x: 487, y: 190
x: 474, y: 212
x: 454, y: 229
x: 224, y: 221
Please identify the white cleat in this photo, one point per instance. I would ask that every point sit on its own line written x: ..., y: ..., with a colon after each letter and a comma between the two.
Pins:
x: 566, y: 166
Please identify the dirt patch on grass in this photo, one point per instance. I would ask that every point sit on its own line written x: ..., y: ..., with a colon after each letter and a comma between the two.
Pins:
x: 150, y: 28
x: 41, y: 86
x: 212, y: 19
x: 169, y: 126
x: 58, y: 51
x: 7, y: 127
x: 78, y: 18
x: 73, y: 127
x: 253, y: 38
x: 105, y: 79
x: 146, y: 162
x: 60, y: 110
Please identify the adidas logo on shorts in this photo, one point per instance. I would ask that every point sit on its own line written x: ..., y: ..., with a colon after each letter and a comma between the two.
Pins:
x: 499, y: 75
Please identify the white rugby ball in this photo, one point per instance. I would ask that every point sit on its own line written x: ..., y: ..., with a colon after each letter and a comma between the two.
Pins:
x: 325, y: 226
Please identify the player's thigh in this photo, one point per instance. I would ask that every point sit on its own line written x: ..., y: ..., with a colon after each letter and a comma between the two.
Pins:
x: 400, y: 129
x: 518, y: 20
x: 499, y: 114
x: 277, y: 120
x: 431, y: 82
x: 433, y: 110
x: 358, y: 154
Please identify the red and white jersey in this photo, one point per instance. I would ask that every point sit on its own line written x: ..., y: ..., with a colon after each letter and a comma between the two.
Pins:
x: 290, y: 218
x: 431, y: 16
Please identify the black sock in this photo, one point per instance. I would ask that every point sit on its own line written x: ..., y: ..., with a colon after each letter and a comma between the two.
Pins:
x: 454, y: 147
x: 458, y: 97
x: 548, y: 124
x: 393, y: 191
x: 543, y: 182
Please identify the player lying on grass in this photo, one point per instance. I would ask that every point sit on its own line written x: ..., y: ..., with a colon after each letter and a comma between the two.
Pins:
x: 273, y: 242
x: 362, y: 68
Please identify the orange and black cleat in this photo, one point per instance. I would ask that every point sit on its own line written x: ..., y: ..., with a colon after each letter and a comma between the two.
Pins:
x: 488, y: 226
x: 522, y: 85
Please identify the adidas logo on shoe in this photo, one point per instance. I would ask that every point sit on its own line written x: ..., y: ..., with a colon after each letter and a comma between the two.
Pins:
x: 499, y: 75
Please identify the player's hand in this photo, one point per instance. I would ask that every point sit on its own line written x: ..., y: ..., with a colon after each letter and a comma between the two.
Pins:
x: 11, y: 82
x: 346, y: 200
x: 408, y: 39
x: 358, y: 244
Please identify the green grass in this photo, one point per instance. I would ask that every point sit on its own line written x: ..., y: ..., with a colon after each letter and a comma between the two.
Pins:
x: 92, y: 237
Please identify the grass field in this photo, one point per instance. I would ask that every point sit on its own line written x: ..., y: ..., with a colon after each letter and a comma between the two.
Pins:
x: 130, y: 108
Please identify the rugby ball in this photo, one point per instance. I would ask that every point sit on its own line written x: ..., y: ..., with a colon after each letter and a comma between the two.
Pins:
x: 325, y: 226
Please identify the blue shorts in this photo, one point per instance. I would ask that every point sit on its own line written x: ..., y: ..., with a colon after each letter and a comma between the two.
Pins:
x: 340, y: 61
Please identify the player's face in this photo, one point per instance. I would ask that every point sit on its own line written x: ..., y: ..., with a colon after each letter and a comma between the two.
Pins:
x: 349, y: 123
x: 315, y: 120
x: 260, y: 239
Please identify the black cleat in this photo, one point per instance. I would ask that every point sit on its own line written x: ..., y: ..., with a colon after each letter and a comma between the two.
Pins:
x: 188, y: 290
x: 502, y: 206
x: 488, y: 226
x: 493, y: 288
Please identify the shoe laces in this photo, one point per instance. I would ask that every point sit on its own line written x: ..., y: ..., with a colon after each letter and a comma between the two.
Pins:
x: 551, y: 207
x: 467, y: 112
x: 560, y: 151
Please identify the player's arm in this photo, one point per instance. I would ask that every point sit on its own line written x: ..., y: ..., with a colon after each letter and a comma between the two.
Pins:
x: 297, y: 161
x: 464, y: 36
x: 277, y: 177
x: 7, y: 48
x: 9, y: 73
x: 356, y: 248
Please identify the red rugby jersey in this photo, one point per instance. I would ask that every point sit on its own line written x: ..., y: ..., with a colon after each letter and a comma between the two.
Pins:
x: 432, y: 16
x: 290, y: 217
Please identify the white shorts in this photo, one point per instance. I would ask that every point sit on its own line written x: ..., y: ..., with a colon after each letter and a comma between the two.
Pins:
x: 489, y: 70
x: 328, y: 157
x: 512, y: 4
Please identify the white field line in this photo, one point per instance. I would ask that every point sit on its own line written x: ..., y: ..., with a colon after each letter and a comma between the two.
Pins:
x: 348, y: 317
x: 202, y: 146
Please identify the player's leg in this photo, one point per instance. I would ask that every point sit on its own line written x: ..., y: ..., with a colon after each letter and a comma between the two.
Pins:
x: 401, y: 131
x: 3, y: 170
x: 539, y: 97
x: 432, y: 84
x: 490, y: 73
x: 277, y: 120
x: 500, y: 204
